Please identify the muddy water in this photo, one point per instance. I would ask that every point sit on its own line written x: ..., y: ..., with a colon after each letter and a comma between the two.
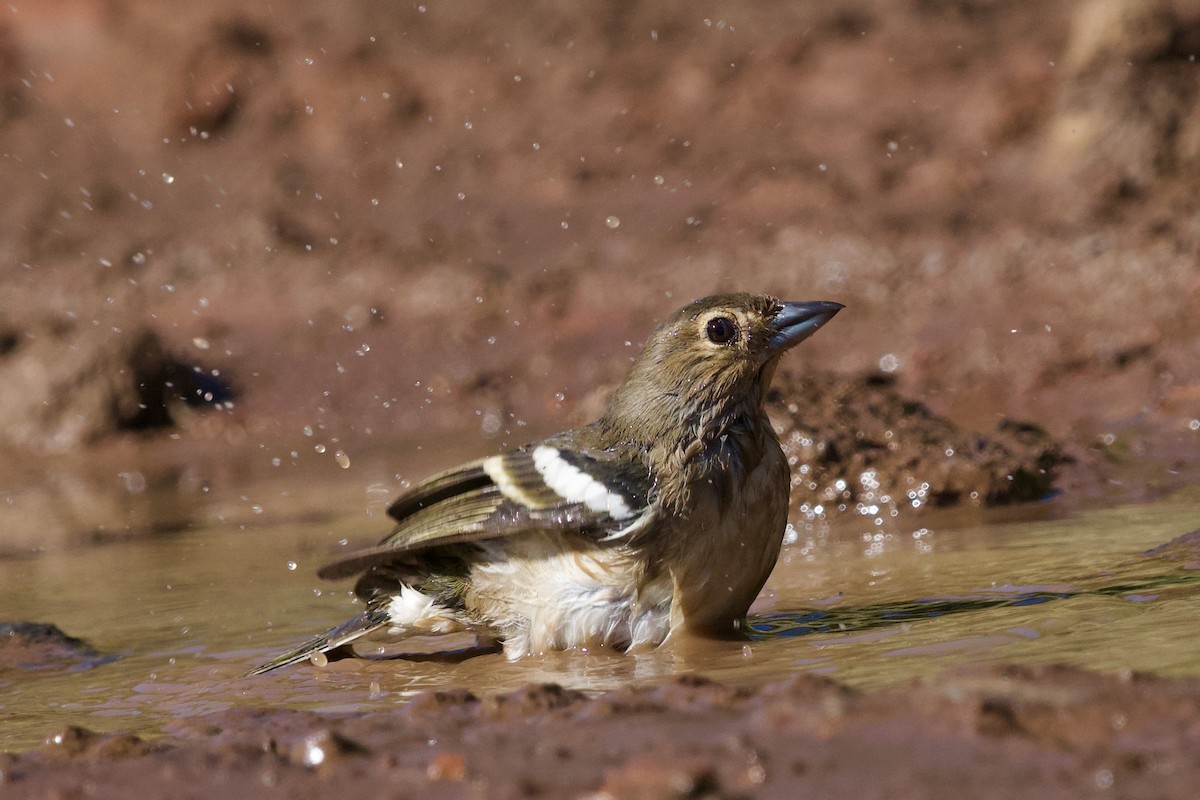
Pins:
x: 187, y: 612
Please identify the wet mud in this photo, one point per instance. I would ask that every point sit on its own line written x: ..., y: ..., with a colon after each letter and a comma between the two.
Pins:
x: 857, y: 445
x: 241, y: 241
x: 1043, y: 733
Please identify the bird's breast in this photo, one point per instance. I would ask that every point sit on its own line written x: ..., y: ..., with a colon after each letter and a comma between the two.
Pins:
x: 730, y: 540
x: 545, y: 591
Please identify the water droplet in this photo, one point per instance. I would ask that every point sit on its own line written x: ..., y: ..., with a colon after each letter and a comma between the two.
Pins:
x: 168, y: 178
x: 320, y: 448
x: 135, y: 482
x: 292, y: 565
x: 312, y: 753
x: 342, y: 459
x: 612, y: 221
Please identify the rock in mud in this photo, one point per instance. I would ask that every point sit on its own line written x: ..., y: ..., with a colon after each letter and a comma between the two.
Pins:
x: 41, y: 646
x: 856, y: 444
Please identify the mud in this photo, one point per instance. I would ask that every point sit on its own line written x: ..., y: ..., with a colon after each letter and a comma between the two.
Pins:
x: 984, y: 733
x: 337, y: 230
x: 857, y: 445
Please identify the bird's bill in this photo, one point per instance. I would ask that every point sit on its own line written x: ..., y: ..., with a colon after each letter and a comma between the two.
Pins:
x: 795, y: 322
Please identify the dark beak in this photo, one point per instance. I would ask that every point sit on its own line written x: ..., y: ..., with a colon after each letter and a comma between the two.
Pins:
x: 795, y: 322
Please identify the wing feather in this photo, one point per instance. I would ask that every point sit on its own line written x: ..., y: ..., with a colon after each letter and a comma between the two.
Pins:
x: 528, y: 490
x: 439, y: 487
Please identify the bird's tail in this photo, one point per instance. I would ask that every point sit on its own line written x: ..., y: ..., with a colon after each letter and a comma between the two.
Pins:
x: 372, y: 618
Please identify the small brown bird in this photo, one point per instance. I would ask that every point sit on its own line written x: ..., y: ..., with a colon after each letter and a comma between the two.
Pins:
x: 664, y: 515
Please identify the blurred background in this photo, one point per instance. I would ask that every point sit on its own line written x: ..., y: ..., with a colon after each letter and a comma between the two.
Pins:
x: 343, y: 228
x: 263, y: 265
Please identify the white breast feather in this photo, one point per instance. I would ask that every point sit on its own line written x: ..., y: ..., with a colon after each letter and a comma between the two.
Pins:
x: 574, y: 606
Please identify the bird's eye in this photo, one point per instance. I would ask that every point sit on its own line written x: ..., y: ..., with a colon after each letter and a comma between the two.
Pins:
x: 721, y: 330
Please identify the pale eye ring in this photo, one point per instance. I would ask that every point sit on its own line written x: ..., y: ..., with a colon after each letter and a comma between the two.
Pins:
x: 721, y: 330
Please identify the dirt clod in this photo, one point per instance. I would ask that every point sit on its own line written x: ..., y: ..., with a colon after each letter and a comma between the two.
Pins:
x: 857, y: 443
x: 40, y: 646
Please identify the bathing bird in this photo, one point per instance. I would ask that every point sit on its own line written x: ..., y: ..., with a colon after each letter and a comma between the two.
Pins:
x: 662, y: 517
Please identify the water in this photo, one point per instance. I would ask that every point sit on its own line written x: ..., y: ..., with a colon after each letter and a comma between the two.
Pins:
x: 187, y: 612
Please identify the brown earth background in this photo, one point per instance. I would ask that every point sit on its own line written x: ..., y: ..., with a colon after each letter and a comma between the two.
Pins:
x: 373, y: 216
x: 371, y: 221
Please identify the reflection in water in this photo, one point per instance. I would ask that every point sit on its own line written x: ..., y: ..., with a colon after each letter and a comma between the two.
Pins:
x: 859, y: 618
x: 188, y: 613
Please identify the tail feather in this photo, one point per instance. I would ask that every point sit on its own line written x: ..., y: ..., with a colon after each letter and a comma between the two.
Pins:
x: 372, y: 618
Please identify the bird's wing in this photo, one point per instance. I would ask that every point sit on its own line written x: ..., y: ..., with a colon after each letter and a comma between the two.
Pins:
x: 541, y: 488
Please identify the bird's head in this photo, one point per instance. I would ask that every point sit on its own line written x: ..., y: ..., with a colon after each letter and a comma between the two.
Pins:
x: 713, y: 354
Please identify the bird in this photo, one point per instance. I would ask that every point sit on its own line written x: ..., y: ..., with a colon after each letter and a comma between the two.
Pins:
x: 665, y: 516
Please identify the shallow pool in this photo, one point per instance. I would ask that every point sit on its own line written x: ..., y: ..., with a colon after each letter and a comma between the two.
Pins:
x: 188, y: 611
